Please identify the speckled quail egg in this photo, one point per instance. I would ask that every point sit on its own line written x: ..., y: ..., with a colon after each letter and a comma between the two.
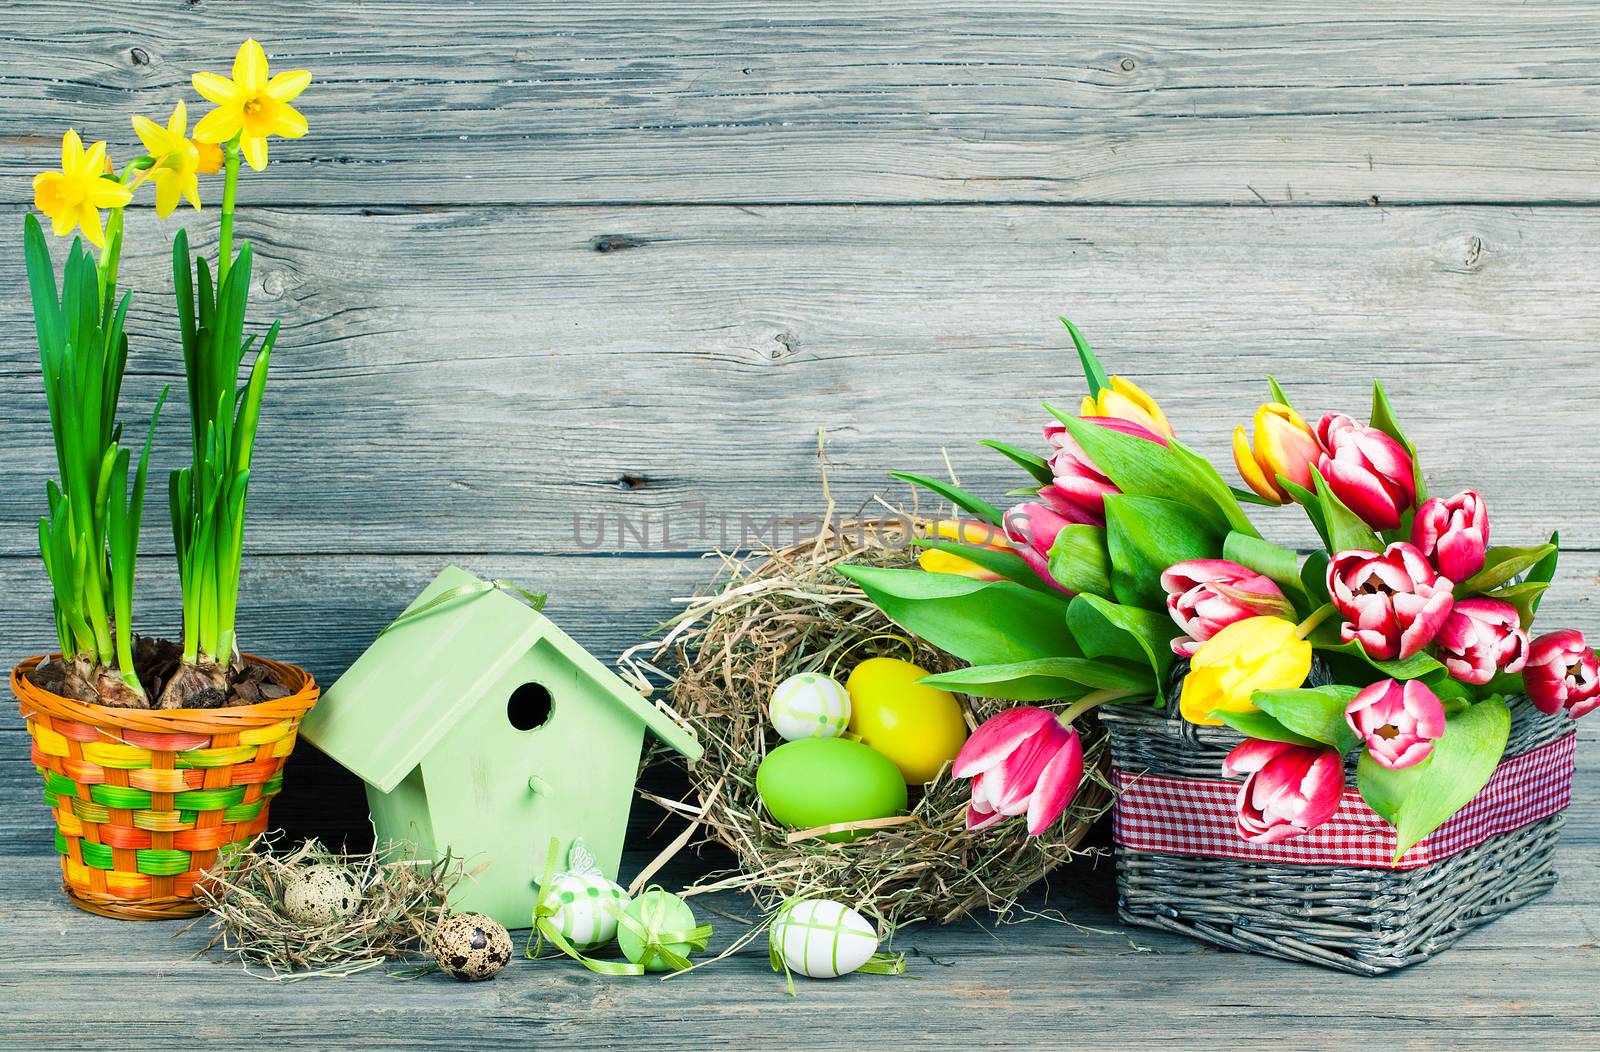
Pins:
x: 320, y: 895
x: 470, y: 947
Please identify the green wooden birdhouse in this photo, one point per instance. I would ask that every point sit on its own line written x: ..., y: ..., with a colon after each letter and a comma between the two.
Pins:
x: 481, y: 728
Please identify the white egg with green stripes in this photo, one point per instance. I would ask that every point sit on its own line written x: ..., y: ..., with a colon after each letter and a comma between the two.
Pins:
x: 809, y: 705
x: 822, y: 938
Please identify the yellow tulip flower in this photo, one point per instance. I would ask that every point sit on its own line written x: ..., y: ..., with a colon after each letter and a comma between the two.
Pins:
x: 932, y: 560
x: 253, y: 105
x: 74, y: 196
x: 177, y: 160
x: 1259, y: 653
x: 1284, y: 445
x: 1124, y: 400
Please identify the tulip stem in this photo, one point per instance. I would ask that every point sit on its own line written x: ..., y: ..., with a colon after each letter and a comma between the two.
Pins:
x: 1089, y: 701
x: 1309, y: 625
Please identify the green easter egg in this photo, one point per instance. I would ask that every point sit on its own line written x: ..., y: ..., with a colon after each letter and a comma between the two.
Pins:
x: 657, y: 913
x: 823, y: 781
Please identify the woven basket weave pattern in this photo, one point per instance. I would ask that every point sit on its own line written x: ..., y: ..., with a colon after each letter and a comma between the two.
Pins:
x: 1366, y: 921
x: 144, y: 799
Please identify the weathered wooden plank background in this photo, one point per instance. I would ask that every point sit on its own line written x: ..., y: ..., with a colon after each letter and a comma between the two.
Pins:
x: 553, y: 274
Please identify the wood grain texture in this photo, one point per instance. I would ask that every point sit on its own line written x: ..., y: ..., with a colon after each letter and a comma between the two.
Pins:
x: 473, y: 380
x: 1125, y: 101
x: 1040, y: 985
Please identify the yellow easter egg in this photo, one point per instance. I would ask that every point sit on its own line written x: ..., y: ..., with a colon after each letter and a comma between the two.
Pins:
x: 918, y: 727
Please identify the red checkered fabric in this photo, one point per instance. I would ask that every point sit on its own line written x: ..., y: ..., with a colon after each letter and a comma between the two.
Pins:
x: 1156, y: 814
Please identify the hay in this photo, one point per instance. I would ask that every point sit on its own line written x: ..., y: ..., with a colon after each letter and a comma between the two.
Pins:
x: 786, y: 611
x: 402, y: 901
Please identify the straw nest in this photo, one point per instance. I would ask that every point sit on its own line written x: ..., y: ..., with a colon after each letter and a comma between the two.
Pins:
x: 780, y: 612
x: 401, y: 901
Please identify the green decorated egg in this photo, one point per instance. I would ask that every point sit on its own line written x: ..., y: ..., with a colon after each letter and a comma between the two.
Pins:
x: 582, y: 903
x: 658, y: 919
x: 824, y: 781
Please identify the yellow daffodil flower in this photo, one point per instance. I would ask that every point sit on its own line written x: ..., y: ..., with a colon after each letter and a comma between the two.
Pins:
x: 1124, y: 400
x: 1259, y: 653
x: 74, y: 196
x: 177, y: 160
x: 253, y: 105
x: 210, y: 155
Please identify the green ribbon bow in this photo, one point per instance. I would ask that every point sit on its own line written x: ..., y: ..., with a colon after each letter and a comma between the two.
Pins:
x: 877, y: 964
x: 464, y: 591
x: 659, y: 943
x: 656, y: 943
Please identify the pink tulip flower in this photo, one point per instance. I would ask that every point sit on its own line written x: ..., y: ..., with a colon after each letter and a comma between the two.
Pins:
x: 1562, y: 673
x: 1032, y: 530
x: 1022, y: 761
x: 1398, y: 721
x: 1453, y: 533
x: 1481, y: 636
x: 1366, y: 469
x: 1204, y: 596
x: 1080, y: 488
x: 1290, y: 788
x: 1394, y: 603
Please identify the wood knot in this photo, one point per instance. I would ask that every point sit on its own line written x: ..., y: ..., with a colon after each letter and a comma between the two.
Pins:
x: 138, y: 56
x: 630, y: 481
x: 788, y: 341
x: 616, y: 242
x: 1128, y: 65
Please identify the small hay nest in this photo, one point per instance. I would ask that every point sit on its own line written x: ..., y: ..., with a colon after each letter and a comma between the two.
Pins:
x: 401, y: 901
x: 782, y: 612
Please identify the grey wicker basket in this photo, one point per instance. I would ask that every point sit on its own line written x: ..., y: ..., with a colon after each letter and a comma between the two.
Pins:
x: 1361, y: 920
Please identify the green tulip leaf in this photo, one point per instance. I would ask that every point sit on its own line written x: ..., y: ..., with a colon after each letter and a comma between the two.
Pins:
x: 1383, y: 419
x: 1104, y: 629
x: 1525, y: 597
x: 1214, y: 487
x: 1277, y: 392
x: 1009, y: 565
x: 1315, y: 712
x: 1463, y: 760
x: 1542, y: 573
x: 1346, y: 530
x: 1275, y: 562
x: 965, y: 501
x: 1385, y: 790
x: 1146, y: 535
x: 1326, y: 637
x: 1311, y: 505
x: 1500, y: 565
x: 1032, y: 463
x: 1045, y: 679
x: 1079, y: 562
x: 980, y: 622
x: 1247, y: 496
x: 1093, y: 372
x: 1314, y: 576
x: 1263, y: 726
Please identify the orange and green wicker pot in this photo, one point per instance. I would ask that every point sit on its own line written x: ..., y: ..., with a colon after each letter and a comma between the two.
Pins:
x: 144, y: 799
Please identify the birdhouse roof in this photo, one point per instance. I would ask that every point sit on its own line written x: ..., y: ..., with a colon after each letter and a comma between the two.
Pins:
x: 419, y: 677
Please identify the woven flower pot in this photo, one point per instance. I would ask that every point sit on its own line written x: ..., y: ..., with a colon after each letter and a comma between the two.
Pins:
x: 144, y: 799
x: 1332, y: 896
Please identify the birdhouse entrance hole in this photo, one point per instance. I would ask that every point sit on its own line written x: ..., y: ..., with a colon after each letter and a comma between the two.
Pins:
x: 529, y: 706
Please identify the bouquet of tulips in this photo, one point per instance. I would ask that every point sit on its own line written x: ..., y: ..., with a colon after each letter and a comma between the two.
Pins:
x: 89, y: 536
x: 1133, y: 567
